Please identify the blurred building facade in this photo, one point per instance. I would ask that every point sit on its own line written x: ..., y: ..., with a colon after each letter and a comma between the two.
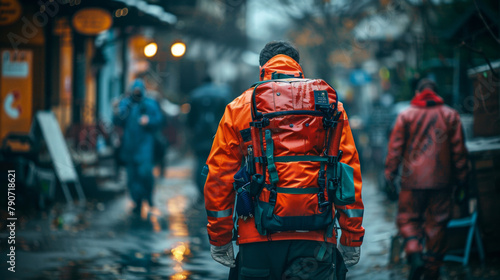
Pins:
x: 75, y: 58
x: 79, y: 55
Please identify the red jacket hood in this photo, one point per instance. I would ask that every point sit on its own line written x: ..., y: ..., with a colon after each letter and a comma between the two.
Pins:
x: 427, y: 98
x: 282, y: 64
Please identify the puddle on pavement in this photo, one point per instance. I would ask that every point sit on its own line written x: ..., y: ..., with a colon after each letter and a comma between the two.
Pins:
x: 149, y: 245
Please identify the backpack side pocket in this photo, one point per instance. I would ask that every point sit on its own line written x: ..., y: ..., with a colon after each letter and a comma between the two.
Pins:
x: 345, y: 193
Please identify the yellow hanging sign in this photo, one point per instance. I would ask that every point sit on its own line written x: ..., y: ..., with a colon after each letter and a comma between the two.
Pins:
x: 10, y: 11
x: 92, y: 21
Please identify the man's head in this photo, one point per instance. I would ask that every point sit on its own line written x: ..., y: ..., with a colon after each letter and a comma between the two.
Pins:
x: 138, y: 90
x: 426, y: 83
x: 278, y: 47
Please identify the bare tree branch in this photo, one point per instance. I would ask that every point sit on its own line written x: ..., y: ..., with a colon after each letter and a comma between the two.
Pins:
x: 480, y: 52
x: 485, y: 23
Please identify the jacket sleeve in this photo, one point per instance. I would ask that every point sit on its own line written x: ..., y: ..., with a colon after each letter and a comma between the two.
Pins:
x: 223, y: 162
x: 122, y: 112
x: 154, y: 113
x: 395, y: 149
x: 351, y: 216
x: 458, y: 151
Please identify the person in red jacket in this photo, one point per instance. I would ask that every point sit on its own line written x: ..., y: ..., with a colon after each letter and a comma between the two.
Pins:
x: 428, y: 142
x: 283, y: 254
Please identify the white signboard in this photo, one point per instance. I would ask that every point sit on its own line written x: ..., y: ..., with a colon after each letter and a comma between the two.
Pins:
x: 14, y: 68
x: 61, y: 158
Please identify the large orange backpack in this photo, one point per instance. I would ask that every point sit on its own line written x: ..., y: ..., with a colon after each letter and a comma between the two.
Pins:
x: 294, y: 157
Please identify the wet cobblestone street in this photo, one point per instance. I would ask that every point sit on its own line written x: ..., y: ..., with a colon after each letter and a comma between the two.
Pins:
x: 106, y: 241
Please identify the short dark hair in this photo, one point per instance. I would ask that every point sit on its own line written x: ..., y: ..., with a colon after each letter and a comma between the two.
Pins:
x: 278, y: 47
x: 427, y: 83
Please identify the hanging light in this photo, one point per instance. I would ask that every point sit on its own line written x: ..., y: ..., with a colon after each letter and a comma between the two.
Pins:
x: 150, y: 49
x: 178, y: 49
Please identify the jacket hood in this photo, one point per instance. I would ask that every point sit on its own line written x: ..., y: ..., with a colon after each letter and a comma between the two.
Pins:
x: 138, y: 84
x: 426, y: 98
x: 281, y: 64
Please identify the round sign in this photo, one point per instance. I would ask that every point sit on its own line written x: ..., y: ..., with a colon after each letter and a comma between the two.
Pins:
x: 92, y: 21
x: 10, y: 11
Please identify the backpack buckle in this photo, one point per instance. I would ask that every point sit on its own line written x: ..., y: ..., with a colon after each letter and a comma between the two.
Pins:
x: 260, y: 124
x: 332, y: 160
x: 323, y: 206
x: 321, y: 179
x: 322, y: 203
x: 334, y: 182
x: 265, y: 122
x: 272, y: 196
x: 327, y: 123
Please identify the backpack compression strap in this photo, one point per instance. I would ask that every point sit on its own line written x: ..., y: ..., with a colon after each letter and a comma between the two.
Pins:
x: 271, y: 167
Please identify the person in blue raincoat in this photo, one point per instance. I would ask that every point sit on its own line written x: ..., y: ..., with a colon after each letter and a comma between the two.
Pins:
x: 140, y: 118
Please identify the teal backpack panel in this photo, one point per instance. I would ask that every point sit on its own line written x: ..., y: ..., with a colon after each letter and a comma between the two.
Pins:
x: 345, y: 193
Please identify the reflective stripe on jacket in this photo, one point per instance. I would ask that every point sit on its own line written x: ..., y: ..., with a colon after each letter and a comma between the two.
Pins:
x: 225, y: 159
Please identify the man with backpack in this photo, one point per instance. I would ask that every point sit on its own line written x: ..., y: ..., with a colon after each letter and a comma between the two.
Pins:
x: 428, y: 141
x: 284, y: 160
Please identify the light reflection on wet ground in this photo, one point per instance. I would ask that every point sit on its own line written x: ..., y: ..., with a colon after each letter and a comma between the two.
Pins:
x: 107, y: 241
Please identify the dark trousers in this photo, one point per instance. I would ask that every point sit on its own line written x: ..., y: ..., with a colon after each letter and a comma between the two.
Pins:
x: 424, y: 214
x: 160, y: 154
x: 286, y: 260
x: 140, y: 182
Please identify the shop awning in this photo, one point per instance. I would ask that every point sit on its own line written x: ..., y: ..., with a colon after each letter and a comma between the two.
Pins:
x: 150, y: 9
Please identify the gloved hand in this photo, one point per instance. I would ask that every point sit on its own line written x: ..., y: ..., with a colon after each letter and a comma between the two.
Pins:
x: 223, y: 254
x: 350, y: 254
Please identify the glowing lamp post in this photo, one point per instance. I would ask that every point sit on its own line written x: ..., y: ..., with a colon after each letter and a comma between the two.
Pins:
x: 150, y: 49
x: 178, y: 49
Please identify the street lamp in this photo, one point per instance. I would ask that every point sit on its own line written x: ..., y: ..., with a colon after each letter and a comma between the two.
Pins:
x: 178, y: 49
x: 150, y: 49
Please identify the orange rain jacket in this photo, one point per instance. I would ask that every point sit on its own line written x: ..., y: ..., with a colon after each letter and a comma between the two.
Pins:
x: 225, y: 159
